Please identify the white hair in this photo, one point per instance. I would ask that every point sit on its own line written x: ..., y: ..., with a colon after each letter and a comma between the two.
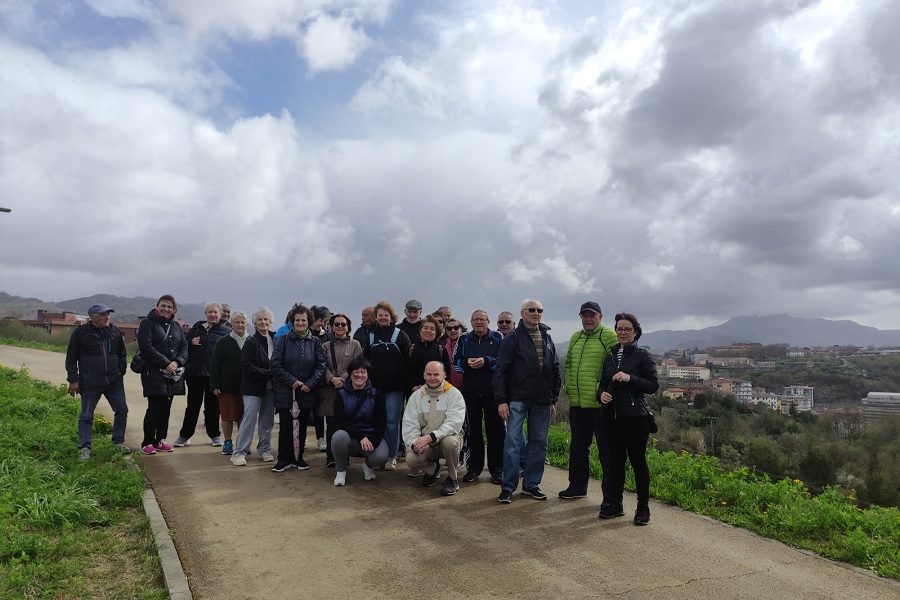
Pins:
x: 528, y: 301
x: 239, y: 314
x: 263, y: 310
x: 210, y: 305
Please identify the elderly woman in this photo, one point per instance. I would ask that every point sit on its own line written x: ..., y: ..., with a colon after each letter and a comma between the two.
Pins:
x: 298, y: 365
x: 225, y: 377
x: 360, y: 418
x: 454, y: 330
x: 202, y: 340
x: 339, y: 352
x: 257, y: 390
x: 629, y: 373
x: 164, y: 350
x: 387, y: 348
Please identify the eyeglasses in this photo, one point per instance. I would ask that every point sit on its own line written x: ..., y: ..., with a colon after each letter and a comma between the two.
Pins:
x: 338, y: 324
x: 532, y: 309
x: 504, y: 322
x: 624, y: 329
x: 454, y: 327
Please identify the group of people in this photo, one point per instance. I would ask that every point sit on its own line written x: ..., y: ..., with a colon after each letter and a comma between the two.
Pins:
x: 422, y: 388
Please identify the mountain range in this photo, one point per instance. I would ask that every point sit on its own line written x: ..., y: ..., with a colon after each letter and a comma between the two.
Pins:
x: 127, y: 309
x: 800, y: 332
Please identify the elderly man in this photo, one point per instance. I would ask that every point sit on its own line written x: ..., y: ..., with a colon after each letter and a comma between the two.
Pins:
x: 410, y: 324
x: 95, y: 366
x: 476, y: 357
x: 583, y: 366
x: 367, y: 319
x: 432, y: 428
x: 526, y: 386
x: 505, y: 323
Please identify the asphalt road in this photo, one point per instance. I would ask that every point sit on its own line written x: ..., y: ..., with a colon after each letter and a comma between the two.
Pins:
x: 248, y: 533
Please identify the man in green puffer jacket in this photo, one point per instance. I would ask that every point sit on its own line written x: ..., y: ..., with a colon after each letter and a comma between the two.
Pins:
x: 583, y: 367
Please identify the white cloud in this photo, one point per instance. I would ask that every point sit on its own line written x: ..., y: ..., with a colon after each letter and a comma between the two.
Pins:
x: 332, y: 43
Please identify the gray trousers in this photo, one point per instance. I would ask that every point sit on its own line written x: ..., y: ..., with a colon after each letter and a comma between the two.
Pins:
x: 343, y: 447
x: 259, y: 411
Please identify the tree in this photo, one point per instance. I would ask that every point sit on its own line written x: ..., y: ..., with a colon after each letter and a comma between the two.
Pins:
x: 763, y: 454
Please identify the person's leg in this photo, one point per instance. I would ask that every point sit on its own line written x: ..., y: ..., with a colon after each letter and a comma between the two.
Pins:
x: 495, y: 430
x: 303, y: 424
x: 450, y: 452
x: 536, y: 448
x: 89, y: 400
x: 211, y: 415
x: 115, y: 395
x: 475, y: 435
x: 340, y: 447
x: 266, y: 423
x: 162, y: 426
x: 329, y: 432
x: 286, y: 437
x: 379, y: 455
x: 151, y: 419
x: 636, y: 432
x: 248, y: 422
x: 582, y: 428
x: 617, y: 456
x: 512, y: 446
x: 603, y: 450
x: 228, y: 414
x: 394, y: 404
x: 196, y: 387
x: 319, y: 424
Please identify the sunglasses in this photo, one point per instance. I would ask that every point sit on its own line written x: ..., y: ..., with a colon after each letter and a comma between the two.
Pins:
x: 532, y: 309
x: 454, y: 327
x: 339, y: 325
x: 504, y: 322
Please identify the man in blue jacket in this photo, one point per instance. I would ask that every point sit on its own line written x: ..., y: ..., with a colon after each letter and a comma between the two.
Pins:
x: 95, y: 366
x: 526, y: 386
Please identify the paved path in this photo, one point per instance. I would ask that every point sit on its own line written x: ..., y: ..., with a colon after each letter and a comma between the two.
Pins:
x: 248, y: 533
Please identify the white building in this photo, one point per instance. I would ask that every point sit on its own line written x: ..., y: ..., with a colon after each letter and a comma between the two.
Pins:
x: 880, y: 404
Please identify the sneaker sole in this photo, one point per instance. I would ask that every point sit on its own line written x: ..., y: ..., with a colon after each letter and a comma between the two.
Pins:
x: 530, y: 495
x: 572, y: 497
x: 299, y: 468
x: 287, y: 468
x: 504, y: 500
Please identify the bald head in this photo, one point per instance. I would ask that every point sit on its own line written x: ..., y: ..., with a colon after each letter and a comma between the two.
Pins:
x: 434, y: 374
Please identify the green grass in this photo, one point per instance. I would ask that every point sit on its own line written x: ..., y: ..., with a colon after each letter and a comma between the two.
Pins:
x: 829, y: 524
x: 35, y: 345
x: 70, y: 529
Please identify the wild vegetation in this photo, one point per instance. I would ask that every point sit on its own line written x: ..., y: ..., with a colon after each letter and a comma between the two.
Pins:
x: 71, y: 530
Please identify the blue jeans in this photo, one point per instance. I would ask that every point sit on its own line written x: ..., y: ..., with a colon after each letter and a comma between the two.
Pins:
x: 394, y: 404
x: 115, y: 394
x: 538, y: 416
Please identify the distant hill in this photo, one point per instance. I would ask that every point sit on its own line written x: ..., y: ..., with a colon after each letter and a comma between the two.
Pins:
x: 127, y: 309
x: 774, y: 329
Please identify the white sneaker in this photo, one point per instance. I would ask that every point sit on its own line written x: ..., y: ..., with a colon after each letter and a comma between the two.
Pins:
x: 238, y: 460
x: 321, y: 445
x: 215, y: 441
x: 266, y: 457
x: 390, y: 465
x: 340, y: 478
x: 368, y: 472
x: 182, y: 442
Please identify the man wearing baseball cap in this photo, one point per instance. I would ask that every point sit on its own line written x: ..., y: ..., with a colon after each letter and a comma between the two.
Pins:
x: 95, y: 366
x: 584, y: 362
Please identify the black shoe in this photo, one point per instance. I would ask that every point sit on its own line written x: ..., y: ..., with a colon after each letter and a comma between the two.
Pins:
x: 449, y: 488
x: 469, y: 477
x: 281, y: 466
x: 497, y: 478
x: 431, y: 478
x: 504, y: 497
x: 611, y: 511
x: 642, y: 514
x: 571, y: 494
x: 535, y: 493
x: 330, y: 464
x: 302, y: 465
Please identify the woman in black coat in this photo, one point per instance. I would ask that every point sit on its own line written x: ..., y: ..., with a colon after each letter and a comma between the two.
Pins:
x: 298, y: 365
x: 164, y: 351
x: 629, y: 373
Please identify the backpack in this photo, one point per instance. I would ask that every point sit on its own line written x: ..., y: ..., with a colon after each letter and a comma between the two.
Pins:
x: 373, y: 344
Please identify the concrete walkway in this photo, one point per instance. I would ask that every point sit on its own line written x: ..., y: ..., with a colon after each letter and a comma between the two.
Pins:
x: 248, y: 533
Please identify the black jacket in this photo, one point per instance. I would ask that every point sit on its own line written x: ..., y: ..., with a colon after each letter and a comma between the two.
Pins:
x: 420, y: 354
x: 256, y: 371
x: 199, y: 357
x: 518, y: 377
x: 95, y: 357
x: 388, y: 360
x: 159, y: 349
x: 297, y: 359
x: 628, y: 396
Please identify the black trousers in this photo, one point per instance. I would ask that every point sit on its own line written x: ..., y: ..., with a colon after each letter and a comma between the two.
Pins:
x: 156, y: 419
x: 628, y: 439
x: 478, y: 407
x: 199, y: 394
x: 587, y: 425
x: 286, y: 434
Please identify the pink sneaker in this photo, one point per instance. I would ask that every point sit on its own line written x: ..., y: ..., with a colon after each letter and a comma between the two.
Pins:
x: 162, y: 446
x: 148, y: 449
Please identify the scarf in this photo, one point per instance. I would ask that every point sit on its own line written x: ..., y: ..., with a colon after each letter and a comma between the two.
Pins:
x: 240, y: 339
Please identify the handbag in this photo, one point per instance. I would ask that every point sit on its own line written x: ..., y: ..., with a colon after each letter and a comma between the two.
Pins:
x: 137, y: 361
x: 651, y: 421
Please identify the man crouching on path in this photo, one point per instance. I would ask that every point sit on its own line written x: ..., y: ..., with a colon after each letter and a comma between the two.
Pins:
x: 95, y: 365
x: 432, y: 428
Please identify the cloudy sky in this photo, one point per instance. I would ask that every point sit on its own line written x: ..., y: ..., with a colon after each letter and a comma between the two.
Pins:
x: 686, y: 160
